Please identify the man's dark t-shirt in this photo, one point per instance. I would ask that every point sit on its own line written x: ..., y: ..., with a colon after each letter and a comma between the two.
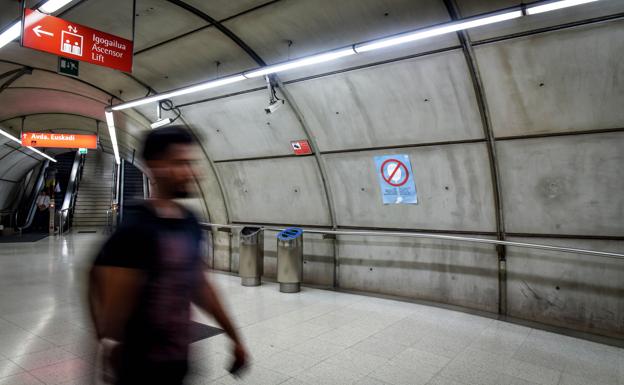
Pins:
x: 168, y: 252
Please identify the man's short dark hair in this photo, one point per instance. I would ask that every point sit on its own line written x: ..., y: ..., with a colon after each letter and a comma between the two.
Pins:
x: 157, y: 142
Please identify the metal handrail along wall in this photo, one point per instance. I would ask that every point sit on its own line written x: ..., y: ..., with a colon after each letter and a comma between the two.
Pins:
x: 454, y: 238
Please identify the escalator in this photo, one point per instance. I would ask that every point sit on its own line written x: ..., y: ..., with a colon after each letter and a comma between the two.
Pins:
x: 133, y: 187
x: 25, y: 209
x: 63, y: 166
x: 60, y: 171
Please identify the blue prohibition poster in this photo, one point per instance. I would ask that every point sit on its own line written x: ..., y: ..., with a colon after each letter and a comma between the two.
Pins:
x: 396, y: 180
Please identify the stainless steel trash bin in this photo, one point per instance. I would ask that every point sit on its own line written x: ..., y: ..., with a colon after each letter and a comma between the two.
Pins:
x: 290, y: 260
x: 251, y: 259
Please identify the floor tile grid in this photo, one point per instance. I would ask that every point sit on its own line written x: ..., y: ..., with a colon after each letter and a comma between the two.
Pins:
x: 36, y: 349
x: 329, y: 359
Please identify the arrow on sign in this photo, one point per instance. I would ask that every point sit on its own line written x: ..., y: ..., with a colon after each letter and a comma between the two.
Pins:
x: 38, y: 31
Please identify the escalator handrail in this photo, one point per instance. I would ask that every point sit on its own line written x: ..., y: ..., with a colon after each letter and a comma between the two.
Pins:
x: 120, y: 199
x: 71, y: 191
x: 32, y: 205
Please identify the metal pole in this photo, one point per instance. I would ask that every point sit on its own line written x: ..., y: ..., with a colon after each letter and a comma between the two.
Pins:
x: 120, y: 200
x: 22, y: 127
x: 133, y: 18
x: 23, y: 17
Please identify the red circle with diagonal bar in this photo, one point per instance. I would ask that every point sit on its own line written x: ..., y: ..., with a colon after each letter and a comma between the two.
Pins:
x: 389, y: 178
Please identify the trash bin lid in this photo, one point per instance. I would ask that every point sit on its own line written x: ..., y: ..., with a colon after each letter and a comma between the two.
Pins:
x: 249, y: 231
x: 290, y: 234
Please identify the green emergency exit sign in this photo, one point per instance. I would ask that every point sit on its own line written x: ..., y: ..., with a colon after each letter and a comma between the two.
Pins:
x: 83, y: 151
x: 68, y: 66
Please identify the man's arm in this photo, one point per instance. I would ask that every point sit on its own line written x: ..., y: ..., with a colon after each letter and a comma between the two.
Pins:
x: 208, y: 299
x: 113, y: 295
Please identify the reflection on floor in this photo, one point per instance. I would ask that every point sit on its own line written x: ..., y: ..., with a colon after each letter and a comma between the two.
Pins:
x: 25, y: 237
x: 314, y: 337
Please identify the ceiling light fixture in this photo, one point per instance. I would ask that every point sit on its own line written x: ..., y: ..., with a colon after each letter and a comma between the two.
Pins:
x: 11, y: 34
x: 53, y: 5
x: 315, y: 59
x: 181, y: 91
x: 435, y: 31
x: 16, y: 139
x: 41, y: 153
x: 16, y: 29
x: 552, y: 6
x: 424, y: 33
x: 13, y: 138
x: 110, y: 122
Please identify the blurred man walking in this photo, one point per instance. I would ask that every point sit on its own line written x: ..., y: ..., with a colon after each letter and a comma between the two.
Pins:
x: 150, y: 270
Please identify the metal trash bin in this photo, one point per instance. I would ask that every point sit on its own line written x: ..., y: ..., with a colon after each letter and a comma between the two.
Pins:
x: 290, y: 260
x: 251, y: 259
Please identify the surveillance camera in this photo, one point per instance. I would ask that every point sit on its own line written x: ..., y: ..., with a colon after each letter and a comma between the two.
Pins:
x: 161, y: 122
x: 273, y: 106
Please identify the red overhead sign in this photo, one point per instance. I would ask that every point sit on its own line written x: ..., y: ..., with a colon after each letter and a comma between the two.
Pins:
x: 45, y: 139
x: 60, y: 37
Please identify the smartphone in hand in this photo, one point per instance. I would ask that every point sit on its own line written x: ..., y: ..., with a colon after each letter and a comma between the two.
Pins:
x: 238, y: 368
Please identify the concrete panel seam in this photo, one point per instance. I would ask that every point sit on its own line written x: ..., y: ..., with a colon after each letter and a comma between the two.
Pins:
x: 481, y: 99
x: 251, y: 159
x: 216, y: 173
x: 553, y: 28
x: 319, y: 160
x: 170, y: 40
x: 287, y: 96
x: 16, y: 75
x: 555, y: 134
x: 104, y: 102
x: 65, y: 77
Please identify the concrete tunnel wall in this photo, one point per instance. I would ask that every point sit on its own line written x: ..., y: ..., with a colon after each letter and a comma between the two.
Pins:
x: 549, y: 122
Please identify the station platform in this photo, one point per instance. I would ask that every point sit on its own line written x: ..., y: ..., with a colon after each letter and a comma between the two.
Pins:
x: 312, y: 337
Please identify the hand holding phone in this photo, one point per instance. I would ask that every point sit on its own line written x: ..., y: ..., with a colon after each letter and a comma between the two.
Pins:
x: 240, y: 360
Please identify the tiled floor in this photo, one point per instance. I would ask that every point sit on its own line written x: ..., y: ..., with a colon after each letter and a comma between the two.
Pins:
x: 313, y: 337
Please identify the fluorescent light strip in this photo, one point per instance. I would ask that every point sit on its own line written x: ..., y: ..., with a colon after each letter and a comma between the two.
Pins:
x: 436, y: 31
x: 321, y: 58
x: 110, y: 122
x: 16, y: 29
x: 182, y: 91
x: 325, y: 57
x: 11, y: 34
x: 556, y: 5
x: 41, y: 153
x: 359, y: 48
x: 53, y: 5
x: 15, y: 139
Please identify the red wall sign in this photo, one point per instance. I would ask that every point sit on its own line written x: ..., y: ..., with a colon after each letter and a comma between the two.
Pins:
x: 46, y: 139
x: 301, y: 147
x: 57, y: 36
